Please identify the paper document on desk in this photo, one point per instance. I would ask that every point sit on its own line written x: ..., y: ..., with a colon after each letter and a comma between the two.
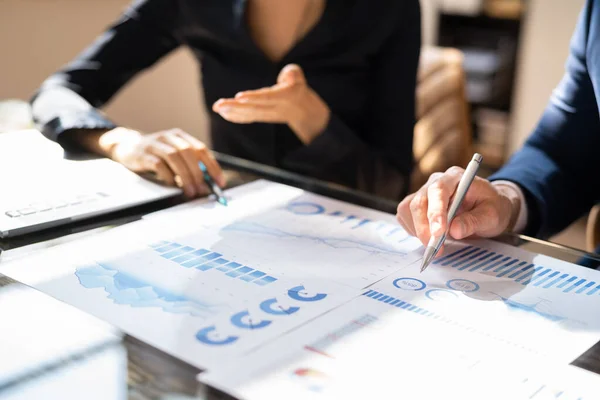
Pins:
x: 207, y: 283
x: 365, y: 349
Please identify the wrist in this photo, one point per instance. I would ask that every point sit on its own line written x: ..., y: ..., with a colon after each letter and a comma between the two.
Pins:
x: 510, y: 192
x: 114, y: 141
x: 313, y: 120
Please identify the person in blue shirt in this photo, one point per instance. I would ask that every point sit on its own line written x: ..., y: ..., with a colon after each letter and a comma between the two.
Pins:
x: 324, y: 88
x: 550, y: 182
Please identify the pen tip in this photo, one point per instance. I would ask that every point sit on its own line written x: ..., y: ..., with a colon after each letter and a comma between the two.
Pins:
x: 223, y: 201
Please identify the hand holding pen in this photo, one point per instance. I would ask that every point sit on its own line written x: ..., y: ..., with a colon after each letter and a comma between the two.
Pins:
x: 487, y: 209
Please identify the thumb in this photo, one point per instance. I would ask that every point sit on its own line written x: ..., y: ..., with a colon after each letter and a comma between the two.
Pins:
x: 291, y: 73
x: 478, y: 221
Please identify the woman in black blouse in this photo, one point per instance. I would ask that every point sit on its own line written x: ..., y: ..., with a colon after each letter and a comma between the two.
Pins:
x: 325, y: 88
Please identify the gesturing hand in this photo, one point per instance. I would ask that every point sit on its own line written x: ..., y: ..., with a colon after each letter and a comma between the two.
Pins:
x: 172, y: 155
x: 291, y: 101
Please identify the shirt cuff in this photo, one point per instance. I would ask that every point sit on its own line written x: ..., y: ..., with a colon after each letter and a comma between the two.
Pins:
x: 521, y: 222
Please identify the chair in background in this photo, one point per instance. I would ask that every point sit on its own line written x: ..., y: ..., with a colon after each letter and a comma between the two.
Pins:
x: 442, y: 136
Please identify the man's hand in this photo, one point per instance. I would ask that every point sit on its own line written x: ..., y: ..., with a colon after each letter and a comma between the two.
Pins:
x: 487, y: 209
x: 291, y: 101
x: 172, y: 155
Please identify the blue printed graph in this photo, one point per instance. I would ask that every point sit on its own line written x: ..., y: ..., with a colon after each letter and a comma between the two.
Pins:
x: 310, y: 208
x: 473, y: 259
x: 205, y: 260
x: 125, y: 289
x: 530, y: 308
x: 394, y: 302
x: 334, y: 242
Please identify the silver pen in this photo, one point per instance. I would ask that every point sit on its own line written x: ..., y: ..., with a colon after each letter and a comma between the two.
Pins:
x: 435, y: 244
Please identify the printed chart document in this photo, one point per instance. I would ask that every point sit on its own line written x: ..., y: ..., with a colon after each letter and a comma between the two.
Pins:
x: 207, y: 283
x: 364, y: 349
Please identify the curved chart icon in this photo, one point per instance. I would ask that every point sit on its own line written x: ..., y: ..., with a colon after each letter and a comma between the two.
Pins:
x: 409, y: 284
x: 463, y: 285
x: 299, y: 293
x: 244, y: 321
x: 270, y: 307
x: 211, y: 337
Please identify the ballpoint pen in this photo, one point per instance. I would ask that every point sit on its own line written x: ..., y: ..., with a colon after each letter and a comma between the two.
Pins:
x: 214, y: 188
x: 435, y: 243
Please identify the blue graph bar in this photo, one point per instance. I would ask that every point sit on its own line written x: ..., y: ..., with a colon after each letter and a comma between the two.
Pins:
x: 579, y: 282
x: 462, y: 258
x: 474, y: 256
x: 594, y: 290
x: 158, y: 244
x: 240, y: 271
x: 255, y: 275
x: 417, y: 310
x: 201, y: 260
x: 544, y: 272
x: 412, y: 308
x: 212, y: 264
x: 265, y: 281
x: 378, y: 296
x: 384, y: 298
x: 200, y: 252
x: 487, y: 262
x: 390, y: 233
x: 563, y: 276
x: 229, y: 266
x: 177, y: 252
x: 439, y: 260
x: 361, y: 223
x: 372, y: 293
x: 505, y: 265
x: 485, y: 256
x: 168, y: 247
x: 395, y: 302
x: 525, y: 279
x: 583, y: 289
x: 400, y: 304
x: 565, y: 283
x: 511, y: 276
x: 406, y: 305
x: 391, y: 299
x: 349, y: 218
x: 508, y: 271
x: 184, y: 258
x: 337, y: 213
x: 541, y: 281
x: 496, y: 264
x: 367, y: 293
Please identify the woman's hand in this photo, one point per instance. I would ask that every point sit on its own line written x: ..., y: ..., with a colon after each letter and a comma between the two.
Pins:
x: 291, y: 101
x: 172, y: 155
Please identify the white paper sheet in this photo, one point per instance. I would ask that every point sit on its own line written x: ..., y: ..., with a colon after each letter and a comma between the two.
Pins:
x: 207, y: 283
x: 548, y: 307
x: 364, y: 349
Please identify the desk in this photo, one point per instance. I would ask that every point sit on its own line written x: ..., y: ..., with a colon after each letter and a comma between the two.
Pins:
x: 153, y: 374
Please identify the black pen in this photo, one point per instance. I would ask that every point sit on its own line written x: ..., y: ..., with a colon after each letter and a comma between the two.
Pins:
x: 214, y: 188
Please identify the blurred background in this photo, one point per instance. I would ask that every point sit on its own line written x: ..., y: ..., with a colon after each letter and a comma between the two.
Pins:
x: 513, y: 55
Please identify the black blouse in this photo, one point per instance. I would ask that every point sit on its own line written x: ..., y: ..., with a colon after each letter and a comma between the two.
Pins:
x: 361, y: 58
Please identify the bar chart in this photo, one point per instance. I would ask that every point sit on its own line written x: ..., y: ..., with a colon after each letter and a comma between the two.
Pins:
x: 476, y: 259
x: 205, y: 260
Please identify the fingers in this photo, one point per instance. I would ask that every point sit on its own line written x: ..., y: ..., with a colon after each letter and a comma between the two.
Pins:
x: 439, y: 192
x: 477, y: 221
x: 403, y: 215
x: 171, y: 156
x: 246, y: 113
x: 418, y: 208
x: 206, y: 156
x: 291, y: 73
x: 188, y: 155
x: 153, y: 163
